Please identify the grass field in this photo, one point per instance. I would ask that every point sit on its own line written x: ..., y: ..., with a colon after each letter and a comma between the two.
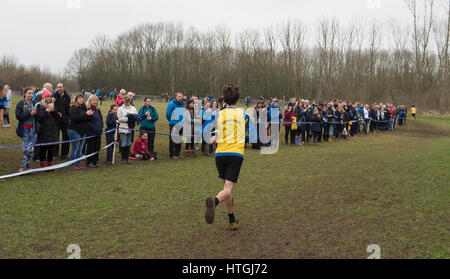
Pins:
x: 323, y: 201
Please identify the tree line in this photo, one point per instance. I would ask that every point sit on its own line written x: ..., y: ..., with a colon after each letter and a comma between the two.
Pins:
x: 20, y: 76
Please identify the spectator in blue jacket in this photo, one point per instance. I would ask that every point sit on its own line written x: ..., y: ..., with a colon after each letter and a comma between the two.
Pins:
x: 175, y: 115
x: 275, y: 113
x: 95, y: 128
x: 361, y: 118
x: 149, y: 115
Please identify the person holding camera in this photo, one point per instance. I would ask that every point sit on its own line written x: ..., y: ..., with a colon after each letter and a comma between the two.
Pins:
x: 149, y: 115
x: 27, y: 127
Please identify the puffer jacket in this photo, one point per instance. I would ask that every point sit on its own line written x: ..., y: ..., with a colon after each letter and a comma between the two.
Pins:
x: 78, y: 119
x: 47, y: 125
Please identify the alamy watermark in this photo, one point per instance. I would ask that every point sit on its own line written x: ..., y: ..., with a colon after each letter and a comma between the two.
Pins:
x: 262, y: 127
x: 73, y: 4
x: 373, y: 4
x: 375, y: 251
x: 75, y: 251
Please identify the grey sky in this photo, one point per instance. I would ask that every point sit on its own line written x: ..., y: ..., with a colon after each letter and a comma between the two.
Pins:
x: 46, y: 32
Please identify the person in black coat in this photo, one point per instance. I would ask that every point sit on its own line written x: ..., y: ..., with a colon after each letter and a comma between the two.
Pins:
x: 45, y: 112
x: 79, y: 117
x: 299, y: 110
x: 62, y: 106
x: 95, y: 128
x: 316, y: 130
x: 353, y: 118
x: 308, y: 113
x: 111, y: 124
x: 259, y: 107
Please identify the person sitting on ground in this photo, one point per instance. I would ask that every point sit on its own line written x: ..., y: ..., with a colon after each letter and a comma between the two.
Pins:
x: 140, y: 148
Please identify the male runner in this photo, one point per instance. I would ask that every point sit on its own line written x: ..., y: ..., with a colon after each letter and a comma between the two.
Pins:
x: 229, y: 156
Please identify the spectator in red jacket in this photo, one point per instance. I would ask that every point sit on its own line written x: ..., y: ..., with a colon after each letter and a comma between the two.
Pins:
x: 287, y: 123
x: 120, y: 97
x: 140, y: 148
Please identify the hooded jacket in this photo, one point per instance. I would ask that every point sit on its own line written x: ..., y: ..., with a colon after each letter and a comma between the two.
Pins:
x: 179, y: 112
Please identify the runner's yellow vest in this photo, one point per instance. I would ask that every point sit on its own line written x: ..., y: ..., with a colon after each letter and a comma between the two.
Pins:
x: 231, y: 132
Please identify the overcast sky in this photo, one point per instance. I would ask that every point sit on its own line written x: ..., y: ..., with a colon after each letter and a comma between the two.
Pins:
x: 46, y: 32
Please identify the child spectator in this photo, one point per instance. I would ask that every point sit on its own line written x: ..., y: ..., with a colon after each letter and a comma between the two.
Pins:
x: 111, y: 124
x: 140, y: 148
